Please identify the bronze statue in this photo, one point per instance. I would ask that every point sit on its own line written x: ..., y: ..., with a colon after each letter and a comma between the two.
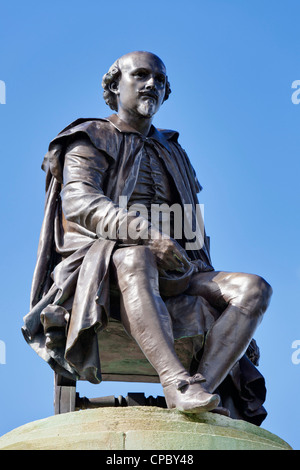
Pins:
x: 97, y: 252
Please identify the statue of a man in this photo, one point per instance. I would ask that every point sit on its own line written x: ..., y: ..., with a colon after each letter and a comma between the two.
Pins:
x: 94, y: 248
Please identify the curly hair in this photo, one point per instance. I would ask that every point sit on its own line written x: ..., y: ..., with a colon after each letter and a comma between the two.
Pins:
x: 113, y: 75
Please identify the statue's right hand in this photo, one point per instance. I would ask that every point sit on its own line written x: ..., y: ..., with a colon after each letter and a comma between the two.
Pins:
x: 169, y: 254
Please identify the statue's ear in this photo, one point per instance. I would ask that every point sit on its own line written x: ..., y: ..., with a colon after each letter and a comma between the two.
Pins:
x: 114, y: 87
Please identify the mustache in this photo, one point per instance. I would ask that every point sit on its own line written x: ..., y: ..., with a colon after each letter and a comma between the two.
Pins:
x: 150, y: 93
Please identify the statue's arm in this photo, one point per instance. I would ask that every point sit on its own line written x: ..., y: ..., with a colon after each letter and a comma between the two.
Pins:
x: 83, y: 198
x: 84, y: 202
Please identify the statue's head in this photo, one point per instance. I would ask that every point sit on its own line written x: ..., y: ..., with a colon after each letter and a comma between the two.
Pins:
x: 136, y: 76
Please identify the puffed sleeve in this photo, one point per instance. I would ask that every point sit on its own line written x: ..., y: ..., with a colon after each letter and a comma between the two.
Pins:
x: 83, y: 198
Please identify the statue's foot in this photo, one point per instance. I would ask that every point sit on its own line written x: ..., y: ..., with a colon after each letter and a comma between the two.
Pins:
x: 189, y: 396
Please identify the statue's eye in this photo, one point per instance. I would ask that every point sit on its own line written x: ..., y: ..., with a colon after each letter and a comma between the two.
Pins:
x: 160, y: 78
x: 141, y: 74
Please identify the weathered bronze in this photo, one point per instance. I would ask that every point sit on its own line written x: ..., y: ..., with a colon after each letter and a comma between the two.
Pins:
x: 102, y: 257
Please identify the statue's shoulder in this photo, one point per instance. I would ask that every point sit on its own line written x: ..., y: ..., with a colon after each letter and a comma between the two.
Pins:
x: 82, y: 124
x: 182, y: 157
x: 99, y: 131
x: 170, y: 135
x: 94, y: 127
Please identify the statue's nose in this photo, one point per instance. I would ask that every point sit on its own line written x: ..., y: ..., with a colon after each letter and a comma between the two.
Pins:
x: 150, y: 83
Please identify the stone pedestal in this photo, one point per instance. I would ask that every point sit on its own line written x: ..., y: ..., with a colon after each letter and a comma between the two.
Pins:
x: 140, y: 428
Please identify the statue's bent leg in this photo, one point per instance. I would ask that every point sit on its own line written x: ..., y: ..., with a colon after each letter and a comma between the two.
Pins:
x: 242, y: 300
x: 146, y: 318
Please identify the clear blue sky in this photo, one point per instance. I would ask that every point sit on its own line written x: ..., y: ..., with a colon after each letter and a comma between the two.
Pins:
x: 231, y: 65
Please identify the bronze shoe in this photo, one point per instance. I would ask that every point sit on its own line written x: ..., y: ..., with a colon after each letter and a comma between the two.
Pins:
x: 189, y: 396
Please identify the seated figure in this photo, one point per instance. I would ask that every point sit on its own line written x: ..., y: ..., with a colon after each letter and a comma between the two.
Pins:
x: 123, y: 238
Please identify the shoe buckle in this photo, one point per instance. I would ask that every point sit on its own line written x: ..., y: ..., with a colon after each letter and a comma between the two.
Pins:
x: 197, y: 378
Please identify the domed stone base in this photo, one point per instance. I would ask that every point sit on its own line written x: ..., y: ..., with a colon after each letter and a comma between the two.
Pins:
x: 140, y: 428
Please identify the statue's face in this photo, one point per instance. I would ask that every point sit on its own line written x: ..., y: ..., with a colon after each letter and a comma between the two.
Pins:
x: 141, y: 88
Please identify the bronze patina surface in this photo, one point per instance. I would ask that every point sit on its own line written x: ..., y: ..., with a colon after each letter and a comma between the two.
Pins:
x: 101, y: 257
